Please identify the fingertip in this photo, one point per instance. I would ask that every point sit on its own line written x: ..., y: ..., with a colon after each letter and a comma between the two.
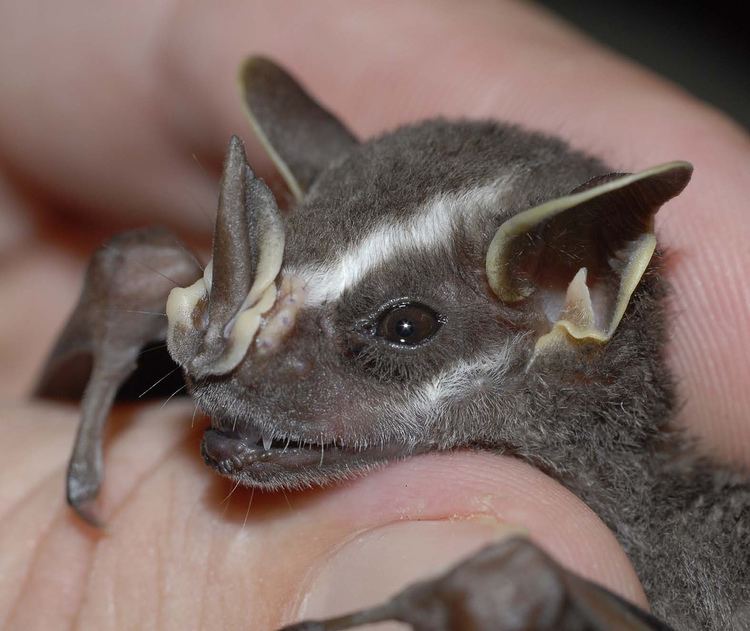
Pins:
x: 436, y: 510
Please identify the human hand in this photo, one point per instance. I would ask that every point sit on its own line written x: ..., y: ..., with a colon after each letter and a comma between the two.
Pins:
x: 107, y: 120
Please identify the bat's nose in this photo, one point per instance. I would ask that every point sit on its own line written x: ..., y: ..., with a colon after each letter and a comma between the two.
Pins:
x: 213, y: 322
x: 279, y: 323
x: 257, y: 331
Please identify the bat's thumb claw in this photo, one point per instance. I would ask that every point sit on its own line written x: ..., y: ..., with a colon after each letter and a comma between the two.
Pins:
x: 88, y: 512
x: 81, y: 495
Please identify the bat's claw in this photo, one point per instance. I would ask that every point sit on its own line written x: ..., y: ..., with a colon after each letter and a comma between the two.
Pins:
x: 82, y: 489
x: 88, y: 513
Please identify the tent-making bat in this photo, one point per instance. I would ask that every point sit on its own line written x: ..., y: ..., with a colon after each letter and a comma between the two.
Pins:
x: 447, y: 285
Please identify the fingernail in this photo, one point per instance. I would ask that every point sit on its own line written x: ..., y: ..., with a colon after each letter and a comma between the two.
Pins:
x: 376, y: 564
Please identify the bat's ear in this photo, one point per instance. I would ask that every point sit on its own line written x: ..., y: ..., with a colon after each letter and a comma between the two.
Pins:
x: 300, y: 136
x: 580, y: 257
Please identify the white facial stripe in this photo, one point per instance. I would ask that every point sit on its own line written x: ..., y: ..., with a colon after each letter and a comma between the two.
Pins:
x: 430, y: 227
x: 433, y: 404
x: 458, y: 380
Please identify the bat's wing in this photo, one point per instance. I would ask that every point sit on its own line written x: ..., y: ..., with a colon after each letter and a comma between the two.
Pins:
x: 511, y: 585
x: 121, y: 309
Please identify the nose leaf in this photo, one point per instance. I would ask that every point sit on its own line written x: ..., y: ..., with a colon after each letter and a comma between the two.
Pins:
x: 238, y: 284
x: 235, y: 249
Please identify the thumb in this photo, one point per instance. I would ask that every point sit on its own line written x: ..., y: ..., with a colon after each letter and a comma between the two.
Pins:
x: 467, y: 502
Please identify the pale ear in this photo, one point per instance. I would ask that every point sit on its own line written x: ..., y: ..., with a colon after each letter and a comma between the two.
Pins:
x: 580, y: 257
x: 300, y: 136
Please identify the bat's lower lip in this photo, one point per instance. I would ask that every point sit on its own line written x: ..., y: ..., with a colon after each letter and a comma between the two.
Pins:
x: 242, y: 457
x: 232, y: 452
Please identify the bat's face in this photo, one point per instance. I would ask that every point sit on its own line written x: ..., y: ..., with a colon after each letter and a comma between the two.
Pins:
x: 444, y: 286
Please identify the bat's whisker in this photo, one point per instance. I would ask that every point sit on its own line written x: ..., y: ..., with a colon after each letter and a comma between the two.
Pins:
x: 155, y: 313
x: 197, y: 161
x: 249, y: 504
x: 151, y: 269
x: 171, y: 396
x: 153, y: 348
x: 286, y: 499
x: 192, y: 255
x: 152, y: 386
x: 162, y: 274
x: 234, y: 488
x: 196, y: 203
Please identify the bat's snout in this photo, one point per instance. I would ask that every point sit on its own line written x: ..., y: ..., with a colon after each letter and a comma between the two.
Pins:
x: 214, y: 322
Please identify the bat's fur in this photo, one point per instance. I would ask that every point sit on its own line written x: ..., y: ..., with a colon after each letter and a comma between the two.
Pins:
x: 599, y: 425
x: 596, y: 417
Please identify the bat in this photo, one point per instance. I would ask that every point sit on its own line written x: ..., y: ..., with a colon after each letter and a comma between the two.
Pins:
x: 450, y: 284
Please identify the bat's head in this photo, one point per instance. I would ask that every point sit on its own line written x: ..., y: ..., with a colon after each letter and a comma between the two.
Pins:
x: 446, y: 285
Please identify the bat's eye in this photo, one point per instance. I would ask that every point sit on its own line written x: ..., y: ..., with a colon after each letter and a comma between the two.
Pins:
x: 408, y: 324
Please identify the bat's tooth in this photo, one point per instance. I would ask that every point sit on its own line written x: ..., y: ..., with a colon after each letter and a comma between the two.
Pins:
x: 267, y: 441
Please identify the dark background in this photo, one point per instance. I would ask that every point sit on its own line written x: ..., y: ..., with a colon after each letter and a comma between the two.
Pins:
x: 703, y: 46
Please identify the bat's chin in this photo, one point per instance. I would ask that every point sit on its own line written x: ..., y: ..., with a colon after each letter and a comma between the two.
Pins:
x: 285, y: 463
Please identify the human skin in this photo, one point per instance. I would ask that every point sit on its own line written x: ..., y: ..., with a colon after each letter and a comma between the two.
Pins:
x: 102, y: 112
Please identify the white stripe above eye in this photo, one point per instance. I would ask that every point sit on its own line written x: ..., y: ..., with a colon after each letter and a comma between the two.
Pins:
x: 433, y: 225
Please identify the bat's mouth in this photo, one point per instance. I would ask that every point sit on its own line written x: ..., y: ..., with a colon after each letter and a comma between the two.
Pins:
x: 286, y: 463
